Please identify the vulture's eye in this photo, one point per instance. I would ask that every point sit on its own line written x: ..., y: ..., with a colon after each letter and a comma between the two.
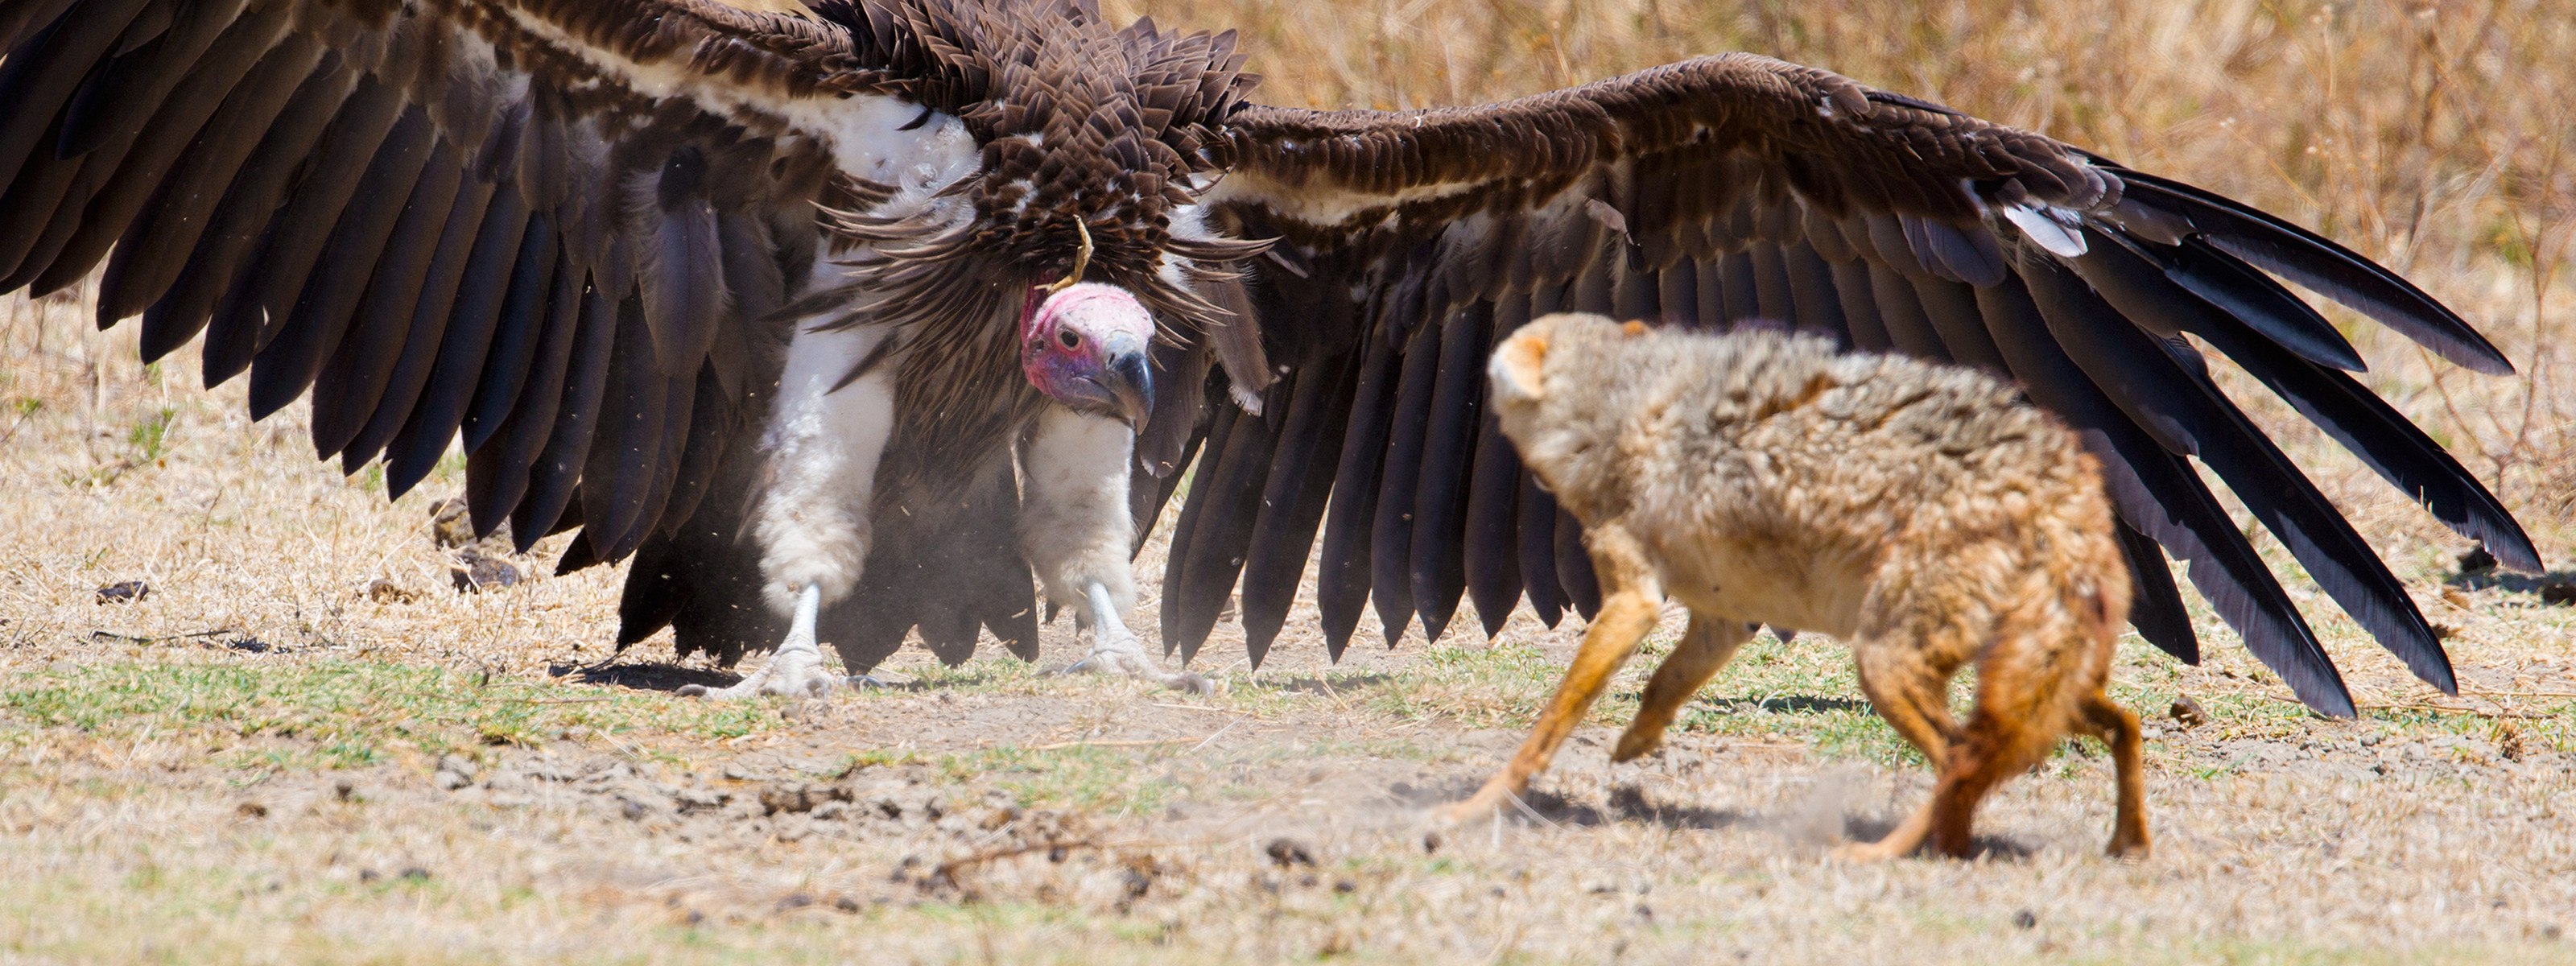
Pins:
x: 1066, y: 338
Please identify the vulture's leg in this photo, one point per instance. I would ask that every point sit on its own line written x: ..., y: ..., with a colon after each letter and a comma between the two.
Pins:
x: 822, y: 448
x: 796, y: 669
x: 1075, y: 531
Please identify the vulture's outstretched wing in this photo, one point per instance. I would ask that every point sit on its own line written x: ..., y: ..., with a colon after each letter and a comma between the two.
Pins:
x: 548, y: 225
x: 1738, y: 188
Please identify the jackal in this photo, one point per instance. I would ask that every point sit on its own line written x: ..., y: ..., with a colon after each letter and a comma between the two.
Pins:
x: 1924, y: 514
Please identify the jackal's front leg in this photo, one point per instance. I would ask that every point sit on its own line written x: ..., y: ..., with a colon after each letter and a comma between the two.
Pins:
x: 1631, y: 598
x: 1706, y: 646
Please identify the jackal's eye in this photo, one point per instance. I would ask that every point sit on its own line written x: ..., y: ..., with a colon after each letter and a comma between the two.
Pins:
x: 1067, y: 339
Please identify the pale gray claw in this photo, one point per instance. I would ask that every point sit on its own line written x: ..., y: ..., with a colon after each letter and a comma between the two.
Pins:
x: 796, y: 670
x: 1117, y: 650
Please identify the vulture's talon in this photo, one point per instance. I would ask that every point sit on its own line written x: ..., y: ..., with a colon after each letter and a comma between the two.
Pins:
x: 1123, y: 654
x: 790, y: 674
x: 1117, y: 650
x: 1130, y: 661
x: 796, y: 670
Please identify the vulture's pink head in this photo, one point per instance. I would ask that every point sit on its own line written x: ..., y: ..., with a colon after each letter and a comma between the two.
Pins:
x: 1085, y: 346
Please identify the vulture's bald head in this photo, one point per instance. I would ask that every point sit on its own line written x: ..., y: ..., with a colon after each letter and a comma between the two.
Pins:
x: 1085, y: 346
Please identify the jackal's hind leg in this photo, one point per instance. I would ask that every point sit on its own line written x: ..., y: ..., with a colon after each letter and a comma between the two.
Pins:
x: 1909, y: 685
x: 1990, y: 749
x: 2117, y: 727
x: 1911, y: 692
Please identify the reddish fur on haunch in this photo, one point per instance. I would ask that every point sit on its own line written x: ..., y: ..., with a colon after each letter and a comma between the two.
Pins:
x: 1921, y: 513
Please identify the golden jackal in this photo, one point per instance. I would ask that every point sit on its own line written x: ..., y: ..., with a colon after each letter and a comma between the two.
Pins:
x: 1919, y: 512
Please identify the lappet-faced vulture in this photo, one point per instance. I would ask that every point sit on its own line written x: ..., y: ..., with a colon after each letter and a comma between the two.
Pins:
x: 842, y: 320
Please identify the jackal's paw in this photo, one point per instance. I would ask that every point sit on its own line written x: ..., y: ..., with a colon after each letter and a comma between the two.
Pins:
x: 1482, y: 805
x: 1462, y: 812
x: 1868, y: 853
x: 2127, y: 849
x: 1635, y: 744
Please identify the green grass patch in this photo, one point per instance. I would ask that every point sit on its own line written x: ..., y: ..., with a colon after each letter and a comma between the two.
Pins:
x: 338, y: 713
x: 1488, y: 687
x: 150, y: 436
x: 1804, y: 690
x: 1083, y: 776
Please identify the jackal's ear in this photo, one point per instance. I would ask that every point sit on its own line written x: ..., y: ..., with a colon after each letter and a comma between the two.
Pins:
x: 1519, y: 369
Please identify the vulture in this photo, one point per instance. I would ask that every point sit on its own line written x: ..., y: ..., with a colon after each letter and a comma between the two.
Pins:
x: 856, y: 318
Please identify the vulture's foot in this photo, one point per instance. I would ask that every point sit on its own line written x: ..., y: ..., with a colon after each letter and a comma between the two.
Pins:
x: 1124, y: 654
x: 1117, y: 650
x: 796, y: 670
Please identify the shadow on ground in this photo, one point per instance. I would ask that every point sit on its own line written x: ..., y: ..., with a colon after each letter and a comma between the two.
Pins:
x: 643, y: 677
x: 1629, y: 804
x: 1785, y: 704
x: 1322, y: 684
x: 1626, y: 804
x: 2554, y: 587
x: 1992, y: 848
x: 672, y: 677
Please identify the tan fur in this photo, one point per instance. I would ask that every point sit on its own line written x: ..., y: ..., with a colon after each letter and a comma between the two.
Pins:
x: 1920, y: 513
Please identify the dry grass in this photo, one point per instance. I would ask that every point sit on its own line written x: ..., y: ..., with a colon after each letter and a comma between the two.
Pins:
x: 171, y: 770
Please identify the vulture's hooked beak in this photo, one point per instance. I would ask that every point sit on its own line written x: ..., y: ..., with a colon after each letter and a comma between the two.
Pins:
x: 1125, y: 382
x: 1118, y: 383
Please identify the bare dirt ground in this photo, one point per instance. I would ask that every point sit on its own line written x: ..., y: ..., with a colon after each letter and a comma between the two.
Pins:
x: 303, y: 744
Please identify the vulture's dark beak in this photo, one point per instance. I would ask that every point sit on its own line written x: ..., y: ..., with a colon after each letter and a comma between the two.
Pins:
x: 1127, y: 382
